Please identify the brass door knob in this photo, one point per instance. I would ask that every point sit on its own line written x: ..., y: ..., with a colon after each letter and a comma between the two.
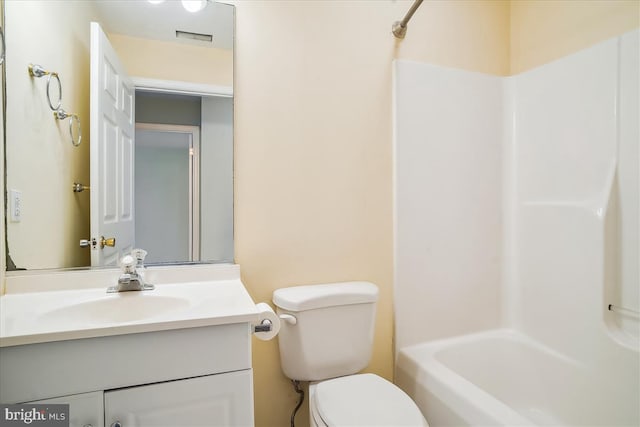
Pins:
x: 111, y: 242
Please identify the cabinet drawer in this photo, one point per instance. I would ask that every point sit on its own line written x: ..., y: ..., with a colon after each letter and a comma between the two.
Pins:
x: 40, y: 371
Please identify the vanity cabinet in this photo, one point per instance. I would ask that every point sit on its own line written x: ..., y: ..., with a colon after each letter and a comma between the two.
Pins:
x: 177, y: 356
x: 85, y: 409
x: 215, y: 400
x: 199, y: 376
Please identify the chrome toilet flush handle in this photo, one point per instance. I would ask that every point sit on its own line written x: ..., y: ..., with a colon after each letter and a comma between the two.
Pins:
x: 288, y: 318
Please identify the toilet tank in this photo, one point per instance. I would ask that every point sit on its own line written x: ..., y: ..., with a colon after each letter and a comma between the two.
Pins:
x: 333, y: 331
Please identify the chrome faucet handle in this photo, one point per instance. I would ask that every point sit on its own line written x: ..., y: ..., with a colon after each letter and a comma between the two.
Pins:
x: 128, y: 264
x: 139, y: 255
x: 130, y: 279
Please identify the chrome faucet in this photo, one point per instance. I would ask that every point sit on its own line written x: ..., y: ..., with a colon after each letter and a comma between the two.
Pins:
x: 131, y: 278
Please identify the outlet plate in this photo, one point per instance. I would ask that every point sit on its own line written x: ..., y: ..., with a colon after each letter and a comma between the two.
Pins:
x: 15, y: 205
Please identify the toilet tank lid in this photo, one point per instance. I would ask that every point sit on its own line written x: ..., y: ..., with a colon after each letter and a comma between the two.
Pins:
x: 309, y: 297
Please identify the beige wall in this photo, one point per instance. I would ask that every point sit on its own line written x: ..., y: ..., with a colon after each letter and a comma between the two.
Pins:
x: 542, y: 31
x: 313, y: 154
x: 174, y: 61
x: 41, y: 161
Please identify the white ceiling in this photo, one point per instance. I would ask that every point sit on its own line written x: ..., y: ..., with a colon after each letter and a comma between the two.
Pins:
x: 139, y: 18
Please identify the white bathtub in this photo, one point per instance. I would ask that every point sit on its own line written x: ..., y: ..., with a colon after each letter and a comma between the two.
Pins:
x: 503, y: 378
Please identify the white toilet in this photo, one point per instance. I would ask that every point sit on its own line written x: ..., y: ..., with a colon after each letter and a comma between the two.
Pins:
x: 326, y: 338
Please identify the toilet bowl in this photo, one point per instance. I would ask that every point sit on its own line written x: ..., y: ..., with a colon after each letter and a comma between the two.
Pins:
x: 326, y: 339
x: 361, y: 400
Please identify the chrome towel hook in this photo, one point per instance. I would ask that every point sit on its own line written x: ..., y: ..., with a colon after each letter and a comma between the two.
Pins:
x: 79, y: 188
x: 60, y: 114
x: 75, y: 130
x: 36, y: 70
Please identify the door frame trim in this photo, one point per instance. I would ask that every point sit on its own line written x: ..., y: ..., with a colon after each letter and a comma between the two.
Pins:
x: 179, y: 87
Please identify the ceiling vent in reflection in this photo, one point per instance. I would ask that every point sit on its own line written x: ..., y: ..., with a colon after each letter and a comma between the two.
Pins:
x: 194, y: 36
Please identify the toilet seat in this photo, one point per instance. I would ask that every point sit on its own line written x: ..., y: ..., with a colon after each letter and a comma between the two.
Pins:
x: 364, y: 400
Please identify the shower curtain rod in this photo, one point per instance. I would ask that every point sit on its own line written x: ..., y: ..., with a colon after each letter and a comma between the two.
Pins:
x: 399, y: 28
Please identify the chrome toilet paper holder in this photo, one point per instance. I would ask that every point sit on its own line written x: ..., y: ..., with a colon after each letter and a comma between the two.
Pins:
x: 266, y: 325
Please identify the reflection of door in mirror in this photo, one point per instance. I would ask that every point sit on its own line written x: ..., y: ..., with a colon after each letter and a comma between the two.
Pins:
x: 111, y: 153
x: 167, y: 203
x: 151, y: 202
x: 146, y: 188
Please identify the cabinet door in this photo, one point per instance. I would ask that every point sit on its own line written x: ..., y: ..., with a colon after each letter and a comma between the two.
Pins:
x: 85, y: 409
x: 224, y: 400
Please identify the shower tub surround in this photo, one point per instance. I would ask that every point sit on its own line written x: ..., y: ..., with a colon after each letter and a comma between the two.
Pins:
x: 517, y: 214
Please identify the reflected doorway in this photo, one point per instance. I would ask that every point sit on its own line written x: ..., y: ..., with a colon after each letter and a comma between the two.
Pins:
x: 167, y: 202
x: 208, y: 201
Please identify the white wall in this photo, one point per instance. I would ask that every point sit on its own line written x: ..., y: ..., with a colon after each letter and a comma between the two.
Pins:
x: 448, y: 211
x: 216, y: 180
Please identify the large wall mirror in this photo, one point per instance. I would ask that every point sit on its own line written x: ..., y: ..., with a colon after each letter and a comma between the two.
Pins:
x: 170, y: 72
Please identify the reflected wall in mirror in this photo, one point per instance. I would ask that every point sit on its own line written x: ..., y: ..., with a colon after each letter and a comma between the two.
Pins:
x: 43, y: 165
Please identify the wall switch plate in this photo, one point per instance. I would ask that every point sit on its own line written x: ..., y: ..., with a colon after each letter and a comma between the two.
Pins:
x: 15, y: 205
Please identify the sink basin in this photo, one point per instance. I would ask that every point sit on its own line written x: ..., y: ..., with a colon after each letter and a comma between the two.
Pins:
x: 117, y: 308
x: 69, y: 306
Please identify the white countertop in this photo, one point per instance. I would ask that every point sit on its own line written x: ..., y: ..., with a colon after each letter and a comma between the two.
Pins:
x: 30, y: 315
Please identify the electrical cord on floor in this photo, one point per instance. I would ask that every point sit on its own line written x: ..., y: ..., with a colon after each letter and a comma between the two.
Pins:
x: 296, y: 386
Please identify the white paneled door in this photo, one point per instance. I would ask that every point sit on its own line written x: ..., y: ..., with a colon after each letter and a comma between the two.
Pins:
x: 112, y: 153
